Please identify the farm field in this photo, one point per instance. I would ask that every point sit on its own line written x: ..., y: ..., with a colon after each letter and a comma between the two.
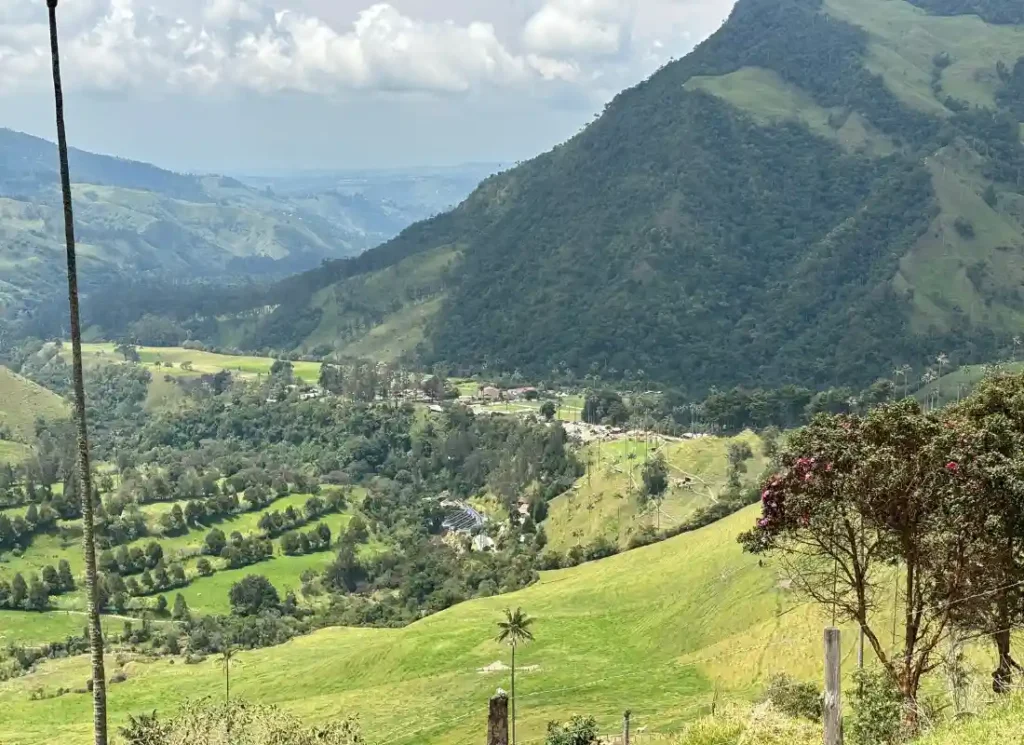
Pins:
x: 604, y: 502
x: 156, y: 358
x: 654, y: 630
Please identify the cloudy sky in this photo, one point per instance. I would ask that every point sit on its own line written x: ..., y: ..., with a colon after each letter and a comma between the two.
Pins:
x: 260, y: 85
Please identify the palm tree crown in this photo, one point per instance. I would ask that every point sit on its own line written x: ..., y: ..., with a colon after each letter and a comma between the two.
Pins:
x: 515, y: 628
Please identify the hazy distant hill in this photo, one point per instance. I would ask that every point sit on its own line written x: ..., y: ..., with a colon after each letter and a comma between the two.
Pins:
x: 140, y: 220
x: 823, y: 189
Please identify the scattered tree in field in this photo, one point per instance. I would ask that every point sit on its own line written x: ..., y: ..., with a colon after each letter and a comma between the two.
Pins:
x: 180, y: 611
x: 514, y: 630
x: 67, y: 580
x: 203, y: 567
x: 737, y: 453
x: 128, y: 351
x: 548, y: 410
x: 215, y: 542
x: 282, y: 370
x: 252, y: 595
x: 655, y: 477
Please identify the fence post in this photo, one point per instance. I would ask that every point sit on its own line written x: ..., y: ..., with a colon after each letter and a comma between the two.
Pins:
x: 497, y: 719
x: 833, y: 690
x: 625, y: 727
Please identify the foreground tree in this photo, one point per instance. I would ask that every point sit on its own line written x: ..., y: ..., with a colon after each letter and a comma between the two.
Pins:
x: 996, y: 604
x: 99, y: 689
x: 514, y: 630
x: 860, y: 501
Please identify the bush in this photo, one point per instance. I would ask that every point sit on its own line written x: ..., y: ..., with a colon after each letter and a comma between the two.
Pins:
x: 763, y: 726
x: 964, y: 227
x: 203, y: 723
x: 877, y: 709
x: 252, y: 595
x: 793, y: 698
x: 577, y: 731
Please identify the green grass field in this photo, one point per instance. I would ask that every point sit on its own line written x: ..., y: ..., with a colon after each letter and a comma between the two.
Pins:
x: 13, y: 452
x: 37, y: 628
x: 604, y: 502
x: 654, y: 630
x: 156, y: 358
x: 770, y: 100
x: 21, y: 403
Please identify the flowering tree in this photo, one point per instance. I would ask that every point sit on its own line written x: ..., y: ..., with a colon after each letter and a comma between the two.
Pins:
x: 995, y: 605
x: 861, y: 500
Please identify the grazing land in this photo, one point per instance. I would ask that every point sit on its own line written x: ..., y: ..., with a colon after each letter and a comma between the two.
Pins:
x: 656, y: 630
x: 168, y: 360
x: 21, y: 403
x: 607, y: 502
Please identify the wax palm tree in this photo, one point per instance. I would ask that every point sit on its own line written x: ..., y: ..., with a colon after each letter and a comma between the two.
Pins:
x: 226, y: 658
x: 99, y: 689
x: 514, y: 630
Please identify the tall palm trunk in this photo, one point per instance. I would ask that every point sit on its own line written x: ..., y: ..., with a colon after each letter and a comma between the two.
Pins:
x: 513, y: 694
x: 99, y: 690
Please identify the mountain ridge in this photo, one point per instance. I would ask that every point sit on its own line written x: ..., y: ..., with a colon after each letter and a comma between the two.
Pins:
x: 822, y: 190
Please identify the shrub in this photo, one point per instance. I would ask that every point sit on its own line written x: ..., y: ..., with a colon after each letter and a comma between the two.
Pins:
x: 577, y: 731
x: 964, y: 227
x: 205, y: 723
x: 763, y: 726
x: 793, y: 698
x: 877, y: 709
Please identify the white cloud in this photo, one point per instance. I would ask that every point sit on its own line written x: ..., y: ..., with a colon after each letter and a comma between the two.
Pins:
x: 586, y: 28
x: 201, y: 46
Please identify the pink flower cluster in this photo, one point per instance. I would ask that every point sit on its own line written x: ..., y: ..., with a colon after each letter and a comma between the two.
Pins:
x: 773, y: 498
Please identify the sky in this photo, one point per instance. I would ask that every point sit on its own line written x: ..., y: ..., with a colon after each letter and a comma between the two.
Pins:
x: 270, y: 85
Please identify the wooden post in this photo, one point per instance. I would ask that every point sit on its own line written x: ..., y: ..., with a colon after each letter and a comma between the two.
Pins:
x: 497, y: 719
x: 625, y: 727
x: 833, y: 690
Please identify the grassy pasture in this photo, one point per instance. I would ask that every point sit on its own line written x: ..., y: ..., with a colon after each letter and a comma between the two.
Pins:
x: 156, y: 358
x: 651, y: 629
x: 605, y: 502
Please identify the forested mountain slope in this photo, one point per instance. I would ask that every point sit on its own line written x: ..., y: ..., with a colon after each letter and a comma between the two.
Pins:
x: 821, y: 190
x: 144, y: 221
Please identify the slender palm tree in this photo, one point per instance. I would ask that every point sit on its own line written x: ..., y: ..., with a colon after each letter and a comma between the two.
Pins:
x: 226, y: 658
x: 99, y: 688
x: 514, y: 630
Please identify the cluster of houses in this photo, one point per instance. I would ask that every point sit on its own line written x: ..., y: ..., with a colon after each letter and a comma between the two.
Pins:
x: 491, y: 394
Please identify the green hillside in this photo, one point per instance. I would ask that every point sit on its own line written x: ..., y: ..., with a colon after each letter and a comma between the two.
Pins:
x: 606, y: 502
x: 136, y: 218
x: 654, y: 630
x: 21, y: 403
x: 820, y: 191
